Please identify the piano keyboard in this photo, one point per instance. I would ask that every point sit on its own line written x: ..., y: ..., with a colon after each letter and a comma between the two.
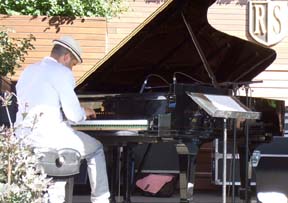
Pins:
x: 130, y: 125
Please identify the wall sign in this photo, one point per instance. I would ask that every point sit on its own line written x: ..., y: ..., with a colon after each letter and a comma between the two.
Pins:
x: 268, y: 20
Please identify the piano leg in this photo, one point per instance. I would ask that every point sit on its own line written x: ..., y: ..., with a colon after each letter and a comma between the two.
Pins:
x: 127, y: 173
x: 114, y: 173
x: 127, y: 170
x: 187, y: 164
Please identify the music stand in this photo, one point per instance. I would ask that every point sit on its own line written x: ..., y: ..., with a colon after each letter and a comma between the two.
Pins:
x: 223, y: 106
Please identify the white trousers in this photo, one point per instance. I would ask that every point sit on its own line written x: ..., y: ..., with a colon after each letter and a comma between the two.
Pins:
x: 62, y: 136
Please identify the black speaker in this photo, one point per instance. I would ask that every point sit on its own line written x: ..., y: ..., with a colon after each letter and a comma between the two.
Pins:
x: 272, y: 167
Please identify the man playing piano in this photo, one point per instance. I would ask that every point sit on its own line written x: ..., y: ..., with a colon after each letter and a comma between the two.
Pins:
x: 46, y: 96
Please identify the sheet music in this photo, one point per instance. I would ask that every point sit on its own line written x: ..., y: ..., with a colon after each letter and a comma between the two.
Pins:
x: 223, y: 106
x: 225, y: 103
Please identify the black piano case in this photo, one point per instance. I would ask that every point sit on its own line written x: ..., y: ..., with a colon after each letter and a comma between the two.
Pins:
x: 271, y: 166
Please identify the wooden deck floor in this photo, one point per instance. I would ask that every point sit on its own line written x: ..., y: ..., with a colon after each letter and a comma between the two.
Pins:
x: 199, y: 197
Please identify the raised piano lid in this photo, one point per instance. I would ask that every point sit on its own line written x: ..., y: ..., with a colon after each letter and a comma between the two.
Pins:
x: 162, y: 45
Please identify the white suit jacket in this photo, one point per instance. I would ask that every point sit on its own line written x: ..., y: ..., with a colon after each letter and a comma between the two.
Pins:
x: 45, y: 91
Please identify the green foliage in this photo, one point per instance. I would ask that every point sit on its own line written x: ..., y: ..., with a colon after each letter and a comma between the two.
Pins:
x: 26, y: 183
x: 13, y: 51
x: 73, y: 8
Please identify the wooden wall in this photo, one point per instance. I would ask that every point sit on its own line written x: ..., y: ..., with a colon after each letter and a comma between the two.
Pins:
x: 97, y: 36
x: 119, y: 27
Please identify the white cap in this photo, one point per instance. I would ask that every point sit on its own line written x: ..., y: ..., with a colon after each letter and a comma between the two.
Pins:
x: 72, y: 45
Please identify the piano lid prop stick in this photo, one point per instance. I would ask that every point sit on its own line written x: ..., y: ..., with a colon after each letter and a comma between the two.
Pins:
x: 200, y: 52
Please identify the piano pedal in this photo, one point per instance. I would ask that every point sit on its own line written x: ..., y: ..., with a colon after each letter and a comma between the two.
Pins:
x: 242, y: 193
x: 185, y: 201
x: 190, y: 189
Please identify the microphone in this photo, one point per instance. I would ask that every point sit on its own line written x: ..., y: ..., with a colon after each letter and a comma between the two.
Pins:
x: 174, y: 79
x: 143, y: 86
x: 174, y: 83
x: 146, y: 80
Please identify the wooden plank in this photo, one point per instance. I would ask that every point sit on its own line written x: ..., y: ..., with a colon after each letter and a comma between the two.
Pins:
x: 91, y: 24
x: 29, y: 60
x: 43, y: 48
x: 277, y: 84
x: 121, y: 24
x: 270, y: 93
x: 272, y: 75
x: 46, y: 18
x: 116, y: 35
x: 90, y: 36
x: 275, y: 67
x: 83, y: 43
x: 281, y: 61
x: 132, y: 20
x: 46, y: 53
x: 63, y: 30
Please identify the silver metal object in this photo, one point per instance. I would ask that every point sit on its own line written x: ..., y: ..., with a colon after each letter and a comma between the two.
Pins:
x: 255, y: 158
x: 60, y: 163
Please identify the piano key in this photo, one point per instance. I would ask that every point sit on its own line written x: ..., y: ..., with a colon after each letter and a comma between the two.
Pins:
x: 135, y: 125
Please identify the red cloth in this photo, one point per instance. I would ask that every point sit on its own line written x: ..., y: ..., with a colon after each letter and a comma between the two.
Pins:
x: 153, y: 182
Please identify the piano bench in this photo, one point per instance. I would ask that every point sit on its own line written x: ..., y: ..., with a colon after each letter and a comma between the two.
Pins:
x: 61, y: 165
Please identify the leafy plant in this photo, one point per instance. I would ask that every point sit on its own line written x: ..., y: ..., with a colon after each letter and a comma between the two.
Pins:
x: 21, y: 181
x: 80, y: 8
x: 13, y: 51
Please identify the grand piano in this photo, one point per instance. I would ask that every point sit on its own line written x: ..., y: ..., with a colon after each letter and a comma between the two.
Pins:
x: 139, y: 89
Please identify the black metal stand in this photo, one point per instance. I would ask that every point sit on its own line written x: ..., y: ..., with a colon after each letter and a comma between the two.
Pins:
x: 235, y: 87
x: 127, y: 173
x: 114, y: 173
x: 234, y: 160
x: 247, y: 180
